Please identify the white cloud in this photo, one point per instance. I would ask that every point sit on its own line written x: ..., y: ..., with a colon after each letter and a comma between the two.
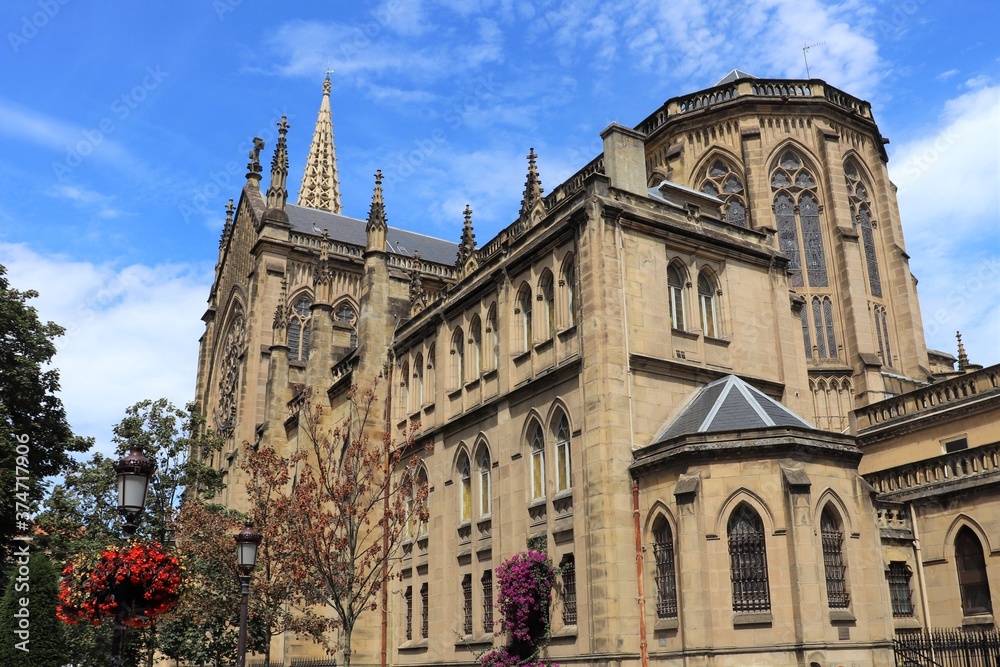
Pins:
x: 949, y: 200
x: 131, y: 333
x: 977, y: 82
x: 944, y: 76
x: 84, y: 197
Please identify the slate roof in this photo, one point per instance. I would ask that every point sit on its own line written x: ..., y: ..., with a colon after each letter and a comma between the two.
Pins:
x: 729, y: 404
x: 734, y: 75
x: 351, y: 230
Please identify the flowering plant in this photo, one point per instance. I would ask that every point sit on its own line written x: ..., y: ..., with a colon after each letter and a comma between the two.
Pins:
x: 140, y: 581
x: 525, y: 583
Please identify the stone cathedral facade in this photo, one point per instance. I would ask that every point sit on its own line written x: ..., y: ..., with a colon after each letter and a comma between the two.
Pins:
x: 694, y: 374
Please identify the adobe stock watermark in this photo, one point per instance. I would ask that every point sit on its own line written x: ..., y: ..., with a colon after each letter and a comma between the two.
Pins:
x: 88, y: 311
x: 21, y: 553
x: 405, y: 163
x: 32, y: 24
x: 120, y: 109
x: 219, y: 180
x: 902, y: 13
x: 918, y: 164
x: 982, y: 276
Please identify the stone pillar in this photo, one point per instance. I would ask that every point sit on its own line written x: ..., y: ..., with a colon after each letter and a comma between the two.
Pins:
x: 625, y: 158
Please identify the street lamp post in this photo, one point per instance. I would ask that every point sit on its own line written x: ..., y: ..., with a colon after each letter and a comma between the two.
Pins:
x: 134, y: 471
x: 247, y: 541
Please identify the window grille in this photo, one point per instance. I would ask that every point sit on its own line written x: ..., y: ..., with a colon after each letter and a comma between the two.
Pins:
x: 568, y: 567
x: 424, y: 609
x: 409, y: 612
x: 748, y: 561
x: 487, y: 582
x: 467, y: 604
x: 972, y: 578
x: 666, y: 582
x: 833, y: 562
x: 900, y: 593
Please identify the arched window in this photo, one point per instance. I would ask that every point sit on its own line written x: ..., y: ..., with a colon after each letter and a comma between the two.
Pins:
x: 861, y: 211
x: 804, y: 314
x: 833, y: 560
x: 345, y: 315
x: 485, y: 482
x: 465, y: 487
x: 564, y: 466
x: 430, y: 379
x: 666, y: 578
x: 418, y: 381
x: 796, y: 196
x: 536, y: 440
x: 421, y: 482
x: 493, y: 333
x: 748, y: 561
x: 298, y: 330
x: 524, y: 310
x: 487, y: 583
x: 546, y: 292
x: 972, y: 577
x: 826, y: 338
x: 458, y: 358
x: 881, y: 326
x: 675, y: 288
x: 567, y: 569
x: 467, y: 605
x: 707, y: 303
x: 404, y: 387
x: 572, y: 297
x: 476, y: 345
x: 721, y: 181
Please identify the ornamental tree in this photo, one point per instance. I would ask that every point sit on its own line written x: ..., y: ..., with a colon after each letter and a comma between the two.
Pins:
x: 336, y: 512
x: 42, y: 645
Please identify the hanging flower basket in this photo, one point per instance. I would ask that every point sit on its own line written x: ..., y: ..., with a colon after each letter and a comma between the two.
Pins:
x: 135, y: 584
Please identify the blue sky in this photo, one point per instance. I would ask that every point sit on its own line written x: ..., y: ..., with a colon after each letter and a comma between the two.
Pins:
x: 125, y: 128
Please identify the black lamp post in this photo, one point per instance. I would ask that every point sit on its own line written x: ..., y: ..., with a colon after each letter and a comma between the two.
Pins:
x: 247, y: 541
x: 134, y: 471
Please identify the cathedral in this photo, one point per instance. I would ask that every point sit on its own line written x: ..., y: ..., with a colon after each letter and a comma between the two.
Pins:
x: 694, y: 374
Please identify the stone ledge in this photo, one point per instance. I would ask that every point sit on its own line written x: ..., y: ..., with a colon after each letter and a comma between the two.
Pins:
x: 760, y: 618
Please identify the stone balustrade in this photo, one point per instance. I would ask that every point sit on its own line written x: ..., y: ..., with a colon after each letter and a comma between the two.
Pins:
x: 929, y: 398
x: 948, y: 469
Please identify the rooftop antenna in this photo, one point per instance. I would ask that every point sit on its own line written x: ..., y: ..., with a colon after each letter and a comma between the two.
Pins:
x: 805, y: 49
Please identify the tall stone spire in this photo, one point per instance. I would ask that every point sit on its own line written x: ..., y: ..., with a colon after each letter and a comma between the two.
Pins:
x: 963, y: 358
x: 376, y: 226
x: 320, y: 185
x: 532, y: 186
x: 467, y: 246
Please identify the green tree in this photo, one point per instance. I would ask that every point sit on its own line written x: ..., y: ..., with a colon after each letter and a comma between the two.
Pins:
x: 31, y: 635
x: 35, y: 438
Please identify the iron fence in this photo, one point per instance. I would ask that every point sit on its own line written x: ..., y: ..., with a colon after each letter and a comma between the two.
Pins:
x: 948, y: 648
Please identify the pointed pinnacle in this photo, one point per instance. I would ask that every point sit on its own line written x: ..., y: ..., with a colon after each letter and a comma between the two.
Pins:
x: 963, y: 358
x: 532, y: 185
x: 376, y: 214
x: 467, y: 246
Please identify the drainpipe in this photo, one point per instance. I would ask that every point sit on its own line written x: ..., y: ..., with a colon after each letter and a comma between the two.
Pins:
x: 643, y: 649
x: 921, y: 580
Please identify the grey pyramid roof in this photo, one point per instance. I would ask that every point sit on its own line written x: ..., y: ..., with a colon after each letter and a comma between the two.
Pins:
x: 734, y: 75
x: 306, y: 220
x: 730, y: 404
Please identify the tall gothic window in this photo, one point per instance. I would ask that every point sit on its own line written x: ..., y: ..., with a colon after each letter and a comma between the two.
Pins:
x: 804, y: 314
x: 675, y: 288
x: 666, y: 581
x: 404, y: 387
x: 881, y: 326
x: 833, y: 560
x: 900, y: 594
x: 537, y: 443
x: 546, y: 293
x: 493, y: 333
x: 430, y: 379
x: 972, y: 577
x: 345, y: 315
x: 723, y: 182
x: 458, y: 358
x: 826, y: 338
x: 796, y: 211
x: 467, y: 604
x: 572, y: 297
x: 487, y: 582
x: 568, y: 569
x: 476, y: 346
x: 424, y: 611
x: 465, y: 487
x: 524, y: 308
x: 485, y: 481
x: 418, y: 381
x: 409, y: 612
x: 564, y: 465
x: 298, y: 330
x: 420, y: 483
x: 861, y: 211
x: 707, y: 304
x: 748, y: 561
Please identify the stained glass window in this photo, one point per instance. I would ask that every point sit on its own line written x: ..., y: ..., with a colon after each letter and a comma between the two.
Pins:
x: 298, y: 330
x: 788, y: 241
x: 871, y: 261
x: 805, y: 332
x: 345, y: 314
x: 723, y: 182
x: 797, y: 214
